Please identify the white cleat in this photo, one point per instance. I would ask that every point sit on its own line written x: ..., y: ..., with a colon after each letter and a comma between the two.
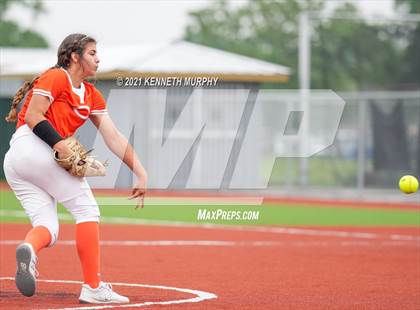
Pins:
x: 26, y: 272
x: 103, y: 294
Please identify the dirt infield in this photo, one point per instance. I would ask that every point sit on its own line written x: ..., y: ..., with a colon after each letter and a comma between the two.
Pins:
x: 244, y: 268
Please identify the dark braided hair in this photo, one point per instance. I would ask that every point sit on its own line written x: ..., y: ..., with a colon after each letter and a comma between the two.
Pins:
x: 73, y: 43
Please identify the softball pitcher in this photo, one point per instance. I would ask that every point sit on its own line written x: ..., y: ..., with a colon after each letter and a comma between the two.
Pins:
x: 44, y: 166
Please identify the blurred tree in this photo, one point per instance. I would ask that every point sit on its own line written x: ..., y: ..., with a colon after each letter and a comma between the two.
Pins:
x: 11, y: 34
x: 410, y: 6
x: 411, y: 61
x: 411, y: 69
x: 264, y: 29
x: 354, y: 55
x: 345, y: 55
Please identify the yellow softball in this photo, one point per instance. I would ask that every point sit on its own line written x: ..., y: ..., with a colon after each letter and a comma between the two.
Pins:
x: 409, y: 184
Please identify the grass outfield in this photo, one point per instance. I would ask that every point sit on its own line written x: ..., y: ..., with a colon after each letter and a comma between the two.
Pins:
x: 294, y: 215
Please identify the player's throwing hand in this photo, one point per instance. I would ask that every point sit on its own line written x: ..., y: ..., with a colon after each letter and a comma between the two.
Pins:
x: 139, y: 191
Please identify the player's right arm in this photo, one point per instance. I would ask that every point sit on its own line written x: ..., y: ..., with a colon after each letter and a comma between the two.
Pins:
x: 36, y: 110
x: 35, y: 114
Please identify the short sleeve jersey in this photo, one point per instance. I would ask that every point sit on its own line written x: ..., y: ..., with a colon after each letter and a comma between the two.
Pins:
x: 70, y: 107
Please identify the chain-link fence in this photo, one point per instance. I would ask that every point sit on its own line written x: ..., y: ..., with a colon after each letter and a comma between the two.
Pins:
x: 221, y: 138
x: 377, y: 142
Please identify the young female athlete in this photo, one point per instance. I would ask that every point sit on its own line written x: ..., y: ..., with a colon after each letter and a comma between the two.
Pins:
x: 58, y: 102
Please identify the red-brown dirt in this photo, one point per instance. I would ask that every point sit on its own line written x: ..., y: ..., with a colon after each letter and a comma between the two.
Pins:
x: 291, y: 272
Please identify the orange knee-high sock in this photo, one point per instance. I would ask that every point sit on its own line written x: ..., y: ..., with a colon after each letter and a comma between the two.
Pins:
x: 39, y: 237
x: 87, y: 242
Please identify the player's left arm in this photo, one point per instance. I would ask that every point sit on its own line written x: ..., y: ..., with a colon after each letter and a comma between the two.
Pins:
x: 120, y: 146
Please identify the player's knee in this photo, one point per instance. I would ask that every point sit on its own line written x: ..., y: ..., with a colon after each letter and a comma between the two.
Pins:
x: 87, y: 216
x: 53, y: 228
x: 83, y: 208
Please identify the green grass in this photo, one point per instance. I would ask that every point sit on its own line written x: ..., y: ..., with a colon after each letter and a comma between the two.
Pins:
x: 302, y: 215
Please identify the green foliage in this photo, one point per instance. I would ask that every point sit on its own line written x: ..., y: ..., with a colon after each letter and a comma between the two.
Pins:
x: 322, y: 171
x: 411, y: 65
x: 409, y: 6
x: 34, y: 5
x: 345, y: 55
x: 267, y: 30
x: 352, y: 55
x: 11, y: 34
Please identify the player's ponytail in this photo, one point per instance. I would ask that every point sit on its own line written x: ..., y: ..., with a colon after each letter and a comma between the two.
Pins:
x: 20, y: 94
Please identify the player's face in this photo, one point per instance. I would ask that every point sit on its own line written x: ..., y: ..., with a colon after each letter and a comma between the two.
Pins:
x: 90, y: 60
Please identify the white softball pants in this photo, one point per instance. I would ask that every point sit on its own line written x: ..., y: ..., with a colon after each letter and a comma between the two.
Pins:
x: 39, y: 182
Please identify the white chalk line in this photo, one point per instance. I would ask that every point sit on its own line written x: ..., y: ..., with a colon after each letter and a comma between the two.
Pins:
x: 261, y: 229
x: 200, y: 295
x: 217, y: 243
x: 183, y: 201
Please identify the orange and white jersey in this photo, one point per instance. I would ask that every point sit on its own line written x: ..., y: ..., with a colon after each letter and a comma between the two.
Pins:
x: 70, y: 107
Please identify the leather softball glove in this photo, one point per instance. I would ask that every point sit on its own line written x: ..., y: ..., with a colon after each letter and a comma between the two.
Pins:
x: 80, y: 163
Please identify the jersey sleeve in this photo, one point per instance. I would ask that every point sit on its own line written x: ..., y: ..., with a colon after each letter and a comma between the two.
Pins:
x: 50, y: 84
x: 99, y: 104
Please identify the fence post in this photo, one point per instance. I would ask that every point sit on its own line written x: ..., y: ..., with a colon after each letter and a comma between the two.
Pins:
x: 361, y: 148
